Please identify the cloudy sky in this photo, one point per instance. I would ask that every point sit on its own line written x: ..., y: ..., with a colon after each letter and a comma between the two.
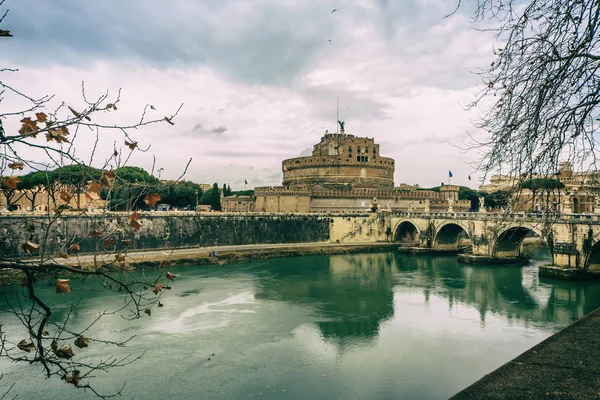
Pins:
x: 259, y: 78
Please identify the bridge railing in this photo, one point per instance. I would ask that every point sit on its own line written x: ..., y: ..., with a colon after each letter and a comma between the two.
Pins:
x: 534, y: 216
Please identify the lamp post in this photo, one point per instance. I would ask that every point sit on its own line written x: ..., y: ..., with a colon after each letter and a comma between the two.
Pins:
x: 196, y: 207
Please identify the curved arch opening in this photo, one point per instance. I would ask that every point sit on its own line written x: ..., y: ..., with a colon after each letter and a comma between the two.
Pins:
x: 452, y: 237
x: 511, y: 242
x: 407, y: 234
x: 593, y: 260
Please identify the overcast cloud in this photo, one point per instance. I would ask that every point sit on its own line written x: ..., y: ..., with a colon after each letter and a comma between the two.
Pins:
x: 259, y: 79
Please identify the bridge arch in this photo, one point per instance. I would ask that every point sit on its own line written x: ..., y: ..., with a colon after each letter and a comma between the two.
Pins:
x: 451, y: 236
x: 510, y: 241
x: 407, y: 232
x: 592, y: 259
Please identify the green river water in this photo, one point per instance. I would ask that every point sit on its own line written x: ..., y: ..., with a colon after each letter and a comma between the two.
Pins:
x: 361, y: 326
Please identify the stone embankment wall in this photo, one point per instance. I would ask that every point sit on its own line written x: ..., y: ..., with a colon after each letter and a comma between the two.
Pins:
x: 160, y: 230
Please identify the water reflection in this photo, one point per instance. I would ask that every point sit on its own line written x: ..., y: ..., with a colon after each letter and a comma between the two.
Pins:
x: 352, y: 295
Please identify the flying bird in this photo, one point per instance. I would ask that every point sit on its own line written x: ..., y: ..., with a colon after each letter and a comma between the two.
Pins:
x: 330, y: 40
x: 334, y: 10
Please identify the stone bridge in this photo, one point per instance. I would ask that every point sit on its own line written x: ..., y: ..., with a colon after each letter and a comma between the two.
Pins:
x: 573, y: 239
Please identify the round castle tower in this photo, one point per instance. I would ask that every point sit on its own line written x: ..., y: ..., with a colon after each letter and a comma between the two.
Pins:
x: 340, y: 161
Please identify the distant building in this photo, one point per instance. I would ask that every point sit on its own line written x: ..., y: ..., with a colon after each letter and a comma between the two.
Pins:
x: 41, y: 200
x: 581, y: 193
x: 344, y: 173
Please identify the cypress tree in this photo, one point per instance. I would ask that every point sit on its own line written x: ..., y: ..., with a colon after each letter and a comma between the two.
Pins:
x: 215, y: 198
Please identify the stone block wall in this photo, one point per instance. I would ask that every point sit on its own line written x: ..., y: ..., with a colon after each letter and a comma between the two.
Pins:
x: 159, y: 230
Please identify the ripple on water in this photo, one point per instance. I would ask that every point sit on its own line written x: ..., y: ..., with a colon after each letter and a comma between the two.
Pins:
x: 209, y: 315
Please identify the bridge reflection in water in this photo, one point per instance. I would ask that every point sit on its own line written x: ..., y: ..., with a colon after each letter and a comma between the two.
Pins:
x: 353, y: 295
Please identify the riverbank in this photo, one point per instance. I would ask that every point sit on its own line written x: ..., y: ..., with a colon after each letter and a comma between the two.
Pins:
x: 227, y: 254
x: 564, y: 366
x: 222, y: 255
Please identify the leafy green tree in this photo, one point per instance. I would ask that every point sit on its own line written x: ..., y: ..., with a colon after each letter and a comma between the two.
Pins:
x: 33, y: 184
x: 130, y: 187
x: 544, y: 185
x: 180, y: 194
x: 497, y: 199
x: 249, y: 192
x: 215, y: 198
x: 466, y: 193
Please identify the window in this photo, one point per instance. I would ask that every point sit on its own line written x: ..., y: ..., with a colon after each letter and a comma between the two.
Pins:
x: 349, y: 149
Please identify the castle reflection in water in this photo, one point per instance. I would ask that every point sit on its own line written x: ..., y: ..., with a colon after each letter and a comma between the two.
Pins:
x: 354, y: 294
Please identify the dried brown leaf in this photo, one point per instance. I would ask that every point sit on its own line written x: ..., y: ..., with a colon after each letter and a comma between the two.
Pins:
x: 65, y: 196
x: 158, y: 288
x: 94, y: 187
x: 75, y: 113
x: 62, y: 286
x: 29, y: 246
x: 160, y: 304
x: 95, y: 233
x: 151, y: 199
x: 11, y: 182
x: 109, y: 242
x: 133, y: 221
x: 107, y: 178
x: 62, y: 254
x: 26, y: 346
x: 16, y: 165
x: 131, y: 145
x: 74, y: 248
x: 64, y: 352
x: 169, y: 120
x: 82, y: 342
x: 171, y: 276
x: 147, y: 311
x: 29, y: 127
x: 41, y: 117
x: 59, y: 135
x: 135, y: 225
x: 120, y: 257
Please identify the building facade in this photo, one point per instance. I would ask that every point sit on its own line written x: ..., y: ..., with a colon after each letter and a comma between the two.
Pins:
x: 581, y: 192
x: 345, y: 173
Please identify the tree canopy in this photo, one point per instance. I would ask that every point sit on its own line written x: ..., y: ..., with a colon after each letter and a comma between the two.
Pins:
x: 545, y: 184
x: 541, y: 92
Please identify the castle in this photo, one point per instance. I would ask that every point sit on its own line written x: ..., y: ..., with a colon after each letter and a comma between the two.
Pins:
x: 345, y: 173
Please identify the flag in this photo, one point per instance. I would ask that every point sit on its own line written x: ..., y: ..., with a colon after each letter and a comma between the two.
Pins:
x: 469, y: 177
x: 245, y: 182
x: 449, y: 174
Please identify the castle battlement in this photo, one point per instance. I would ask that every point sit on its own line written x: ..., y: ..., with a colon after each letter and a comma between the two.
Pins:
x: 341, y: 159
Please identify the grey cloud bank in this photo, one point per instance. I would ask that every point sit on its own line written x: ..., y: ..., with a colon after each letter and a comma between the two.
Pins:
x: 260, y: 79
